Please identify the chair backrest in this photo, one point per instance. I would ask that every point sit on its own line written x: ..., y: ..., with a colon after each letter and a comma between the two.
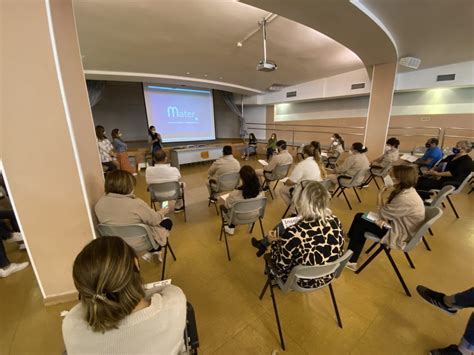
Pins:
x: 314, y: 272
x: 247, y: 211
x: 165, y: 191
x: 419, y: 150
x: 464, y: 183
x: 227, y: 182
x: 356, y: 180
x: 385, y: 171
x: 279, y: 172
x: 431, y: 215
x: 138, y: 236
x: 441, y: 196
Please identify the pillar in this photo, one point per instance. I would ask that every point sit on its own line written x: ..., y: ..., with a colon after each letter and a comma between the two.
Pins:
x: 48, y: 150
x: 380, y: 106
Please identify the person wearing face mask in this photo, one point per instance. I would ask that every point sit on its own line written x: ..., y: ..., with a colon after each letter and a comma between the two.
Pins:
x: 106, y: 149
x: 390, y: 155
x: 336, y: 148
x: 456, y: 168
x: 432, y: 155
x: 120, y: 206
x: 400, y: 215
x: 121, y: 151
x: 154, y: 139
x: 356, y: 162
x: 283, y: 157
x: 271, y: 145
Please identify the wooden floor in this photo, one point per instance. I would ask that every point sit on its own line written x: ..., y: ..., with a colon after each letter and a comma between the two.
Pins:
x: 377, y: 316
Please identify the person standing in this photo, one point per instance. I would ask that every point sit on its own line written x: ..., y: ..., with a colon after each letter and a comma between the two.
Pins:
x: 121, y: 150
x: 154, y: 139
x: 106, y: 149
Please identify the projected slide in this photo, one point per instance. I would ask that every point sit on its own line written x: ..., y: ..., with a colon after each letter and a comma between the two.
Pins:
x: 180, y: 114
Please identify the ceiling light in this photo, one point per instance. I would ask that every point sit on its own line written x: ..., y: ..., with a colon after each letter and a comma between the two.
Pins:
x: 239, y: 44
x: 187, y: 73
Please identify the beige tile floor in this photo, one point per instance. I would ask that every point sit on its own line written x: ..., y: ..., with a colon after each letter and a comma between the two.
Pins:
x: 378, y: 317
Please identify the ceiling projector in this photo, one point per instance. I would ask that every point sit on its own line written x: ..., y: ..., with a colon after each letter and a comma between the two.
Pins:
x: 266, y: 66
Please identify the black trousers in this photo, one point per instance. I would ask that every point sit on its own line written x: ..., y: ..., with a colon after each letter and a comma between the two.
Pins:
x: 110, y: 165
x: 357, y: 240
x: 10, y: 215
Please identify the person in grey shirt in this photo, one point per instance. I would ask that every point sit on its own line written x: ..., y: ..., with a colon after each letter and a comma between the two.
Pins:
x: 225, y: 164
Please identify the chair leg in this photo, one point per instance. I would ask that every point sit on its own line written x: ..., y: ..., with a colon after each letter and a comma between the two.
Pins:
x: 452, y: 206
x: 333, y: 297
x: 286, y: 211
x: 270, y: 190
x: 369, y: 260
x: 226, y: 245
x: 426, y: 244
x: 164, y: 263
x: 274, y: 186
x: 264, y: 288
x: 171, y: 251
x: 431, y: 232
x: 371, y: 248
x: 277, y: 318
x: 357, y: 194
x: 376, y: 183
x: 347, y: 200
x: 251, y: 228
x: 184, y: 206
x: 409, y: 260
x: 215, y: 205
x: 395, y: 268
x: 261, y: 227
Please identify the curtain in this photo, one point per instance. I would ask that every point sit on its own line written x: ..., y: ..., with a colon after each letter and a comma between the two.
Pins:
x: 229, y: 100
x: 95, y: 89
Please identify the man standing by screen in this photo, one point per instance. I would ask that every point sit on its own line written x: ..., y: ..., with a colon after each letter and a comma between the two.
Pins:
x: 224, y: 165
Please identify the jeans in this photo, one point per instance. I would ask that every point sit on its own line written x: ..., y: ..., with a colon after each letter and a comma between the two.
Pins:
x: 110, y: 165
x: 10, y: 215
x: 4, y: 262
x: 357, y: 240
x: 463, y: 300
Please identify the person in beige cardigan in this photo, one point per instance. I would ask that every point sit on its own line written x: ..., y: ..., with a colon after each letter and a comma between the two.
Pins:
x: 400, y: 216
x: 120, y: 206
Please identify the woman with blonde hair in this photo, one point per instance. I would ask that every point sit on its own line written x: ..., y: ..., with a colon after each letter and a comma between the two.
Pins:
x: 316, y: 239
x: 399, y: 217
x: 121, y: 149
x: 115, y: 315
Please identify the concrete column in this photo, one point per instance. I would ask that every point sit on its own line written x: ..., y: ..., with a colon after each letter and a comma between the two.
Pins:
x: 380, y: 106
x: 48, y: 148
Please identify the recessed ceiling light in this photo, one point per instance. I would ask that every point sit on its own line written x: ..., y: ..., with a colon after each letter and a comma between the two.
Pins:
x: 205, y: 75
x: 187, y: 73
x: 220, y: 78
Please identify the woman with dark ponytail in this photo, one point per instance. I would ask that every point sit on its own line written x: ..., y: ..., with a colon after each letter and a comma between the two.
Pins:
x: 356, y: 162
x: 399, y: 217
x: 115, y: 314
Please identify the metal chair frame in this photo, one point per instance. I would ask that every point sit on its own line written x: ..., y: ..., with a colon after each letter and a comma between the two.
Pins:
x: 222, y: 179
x: 175, y: 186
x: 280, y: 172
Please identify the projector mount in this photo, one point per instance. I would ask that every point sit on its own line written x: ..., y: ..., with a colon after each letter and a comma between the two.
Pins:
x: 265, y: 65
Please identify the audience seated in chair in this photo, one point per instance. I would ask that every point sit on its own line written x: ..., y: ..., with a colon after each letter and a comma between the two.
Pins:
x: 389, y: 156
x: 225, y: 164
x: 317, y: 238
x: 120, y: 206
x: 250, y: 188
x: 399, y: 217
x: 456, y: 168
x: 115, y: 314
x: 311, y: 168
x: 251, y: 147
x: 283, y: 157
x: 356, y: 162
x: 336, y: 148
x: 432, y: 155
x: 163, y: 172
x: 271, y: 146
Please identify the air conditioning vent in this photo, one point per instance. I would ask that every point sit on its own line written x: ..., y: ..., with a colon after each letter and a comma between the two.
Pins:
x: 291, y: 94
x: 446, y: 77
x: 357, y: 86
x: 276, y: 87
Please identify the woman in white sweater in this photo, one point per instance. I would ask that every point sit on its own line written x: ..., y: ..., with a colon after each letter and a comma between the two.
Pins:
x: 400, y: 216
x: 114, y: 315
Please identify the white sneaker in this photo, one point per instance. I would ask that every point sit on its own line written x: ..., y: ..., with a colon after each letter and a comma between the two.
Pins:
x: 352, y: 266
x: 15, y: 237
x: 229, y: 230
x: 149, y: 257
x: 12, y: 268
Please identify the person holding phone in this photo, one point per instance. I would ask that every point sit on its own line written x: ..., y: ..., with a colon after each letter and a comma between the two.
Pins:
x: 400, y: 216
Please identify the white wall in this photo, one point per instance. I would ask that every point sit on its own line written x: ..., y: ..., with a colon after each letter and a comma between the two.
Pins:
x: 256, y: 114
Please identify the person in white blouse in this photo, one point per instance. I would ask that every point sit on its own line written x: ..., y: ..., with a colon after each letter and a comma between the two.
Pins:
x: 115, y: 314
x: 311, y: 168
x: 163, y: 172
x: 106, y: 149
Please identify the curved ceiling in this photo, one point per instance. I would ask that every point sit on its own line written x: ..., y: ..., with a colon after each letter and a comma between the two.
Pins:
x: 173, y: 38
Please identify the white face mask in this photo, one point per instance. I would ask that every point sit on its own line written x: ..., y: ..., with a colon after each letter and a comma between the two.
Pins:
x: 333, y: 139
x: 387, y: 148
x: 350, y: 151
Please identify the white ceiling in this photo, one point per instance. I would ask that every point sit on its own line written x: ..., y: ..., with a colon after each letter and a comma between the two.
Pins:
x: 170, y: 38
x: 199, y: 37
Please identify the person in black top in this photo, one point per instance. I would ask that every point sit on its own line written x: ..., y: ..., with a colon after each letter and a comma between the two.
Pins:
x: 456, y: 168
x: 154, y: 140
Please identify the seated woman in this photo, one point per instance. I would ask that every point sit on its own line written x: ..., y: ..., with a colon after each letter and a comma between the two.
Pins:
x: 271, y: 145
x: 316, y: 239
x: 356, y: 162
x: 399, y: 217
x: 115, y: 314
x: 250, y: 188
x: 390, y: 155
x: 120, y: 206
x: 455, y: 168
x: 251, y: 147
x: 311, y: 168
x: 336, y: 148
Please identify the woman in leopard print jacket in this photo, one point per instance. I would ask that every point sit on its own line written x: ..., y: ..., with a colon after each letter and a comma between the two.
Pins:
x: 316, y: 239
